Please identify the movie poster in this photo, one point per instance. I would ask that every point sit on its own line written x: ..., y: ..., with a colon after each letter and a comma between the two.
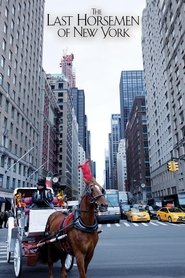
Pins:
x: 105, y: 38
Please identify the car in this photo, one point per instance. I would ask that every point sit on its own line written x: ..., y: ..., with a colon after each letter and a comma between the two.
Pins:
x: 151, y: 211
x: 112, y: 215
x: 172, y: 215
x: 124, y: 208
x: 138, y: 214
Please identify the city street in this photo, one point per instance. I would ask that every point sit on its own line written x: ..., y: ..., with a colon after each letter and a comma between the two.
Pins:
x: 142, y: 250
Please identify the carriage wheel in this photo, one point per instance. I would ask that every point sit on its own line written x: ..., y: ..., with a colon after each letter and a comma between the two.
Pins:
x: 69, y: 262
x: 18, y: 258
x: 9, y: 238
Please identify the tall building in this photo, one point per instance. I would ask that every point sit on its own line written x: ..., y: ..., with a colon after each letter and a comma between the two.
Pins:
x: 67, y: 69
x: 21, y: 38
x: 114, y: 143
x: 49, y: 126
x: 81, y: 159
x: 138, y: 170
x: 75, y: 155
x: 131, y: 85
x: 163, y: 43
x: 59, y: 85
x: 107, y: 171
x: 87, y: 140
x: 121, y: 166
x: 78, y: 99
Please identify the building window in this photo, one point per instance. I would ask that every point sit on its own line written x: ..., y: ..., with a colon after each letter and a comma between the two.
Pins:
x: 13, y: 10
x: 1, y: 98
x: 20, y: 169
x: 11, y: 40
x: 12, y: 112
x: 1, y: 180
x: 9, y: 71
x: 181, y: 117
x: 14, y: 79
x: 6, y: 106
x: 13, y: 185
x: 2, y: 61
x: 4, y: 45
x: 6, y: 12
x: 3, y: 161
x: 10, y: 55
x: 10, y: 145
x: 5, y: 28
x: 8, y: 182
x: 8, y: 87
x: 1, y: 79
x: 12, y: 24
x: 180, y: 102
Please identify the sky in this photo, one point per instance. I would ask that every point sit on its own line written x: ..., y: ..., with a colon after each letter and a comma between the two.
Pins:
x: 98, y: 60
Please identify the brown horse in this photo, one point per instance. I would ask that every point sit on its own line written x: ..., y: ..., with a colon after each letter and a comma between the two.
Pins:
x: 82, y: 232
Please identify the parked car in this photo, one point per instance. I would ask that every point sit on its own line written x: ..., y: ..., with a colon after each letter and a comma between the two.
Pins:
x: 124, y: 208
x: 138, y: 214
x: 172, y: 215
x: 152, y: 212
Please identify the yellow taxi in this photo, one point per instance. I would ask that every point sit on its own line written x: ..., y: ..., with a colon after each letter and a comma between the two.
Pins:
x: 138, y: 214
x: 172, y: 215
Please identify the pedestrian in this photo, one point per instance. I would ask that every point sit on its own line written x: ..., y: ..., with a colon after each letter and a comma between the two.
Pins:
x: 5, y: 220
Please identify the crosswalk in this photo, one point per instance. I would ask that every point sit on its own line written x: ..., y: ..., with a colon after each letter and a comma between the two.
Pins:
x: 122, y: 224
x: 2, y: 252
x: 127, y: 224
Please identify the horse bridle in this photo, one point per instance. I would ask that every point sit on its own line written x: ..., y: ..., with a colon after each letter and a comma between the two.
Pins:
x: 88, y: 192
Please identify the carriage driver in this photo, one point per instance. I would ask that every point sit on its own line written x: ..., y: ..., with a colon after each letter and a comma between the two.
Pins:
x: 43, y: 197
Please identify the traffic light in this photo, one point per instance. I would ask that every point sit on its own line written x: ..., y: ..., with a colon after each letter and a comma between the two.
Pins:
x: 170, y: 166
x: 176, y: 165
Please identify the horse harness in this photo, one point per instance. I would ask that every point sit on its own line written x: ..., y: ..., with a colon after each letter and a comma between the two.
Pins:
x: 73, y: 220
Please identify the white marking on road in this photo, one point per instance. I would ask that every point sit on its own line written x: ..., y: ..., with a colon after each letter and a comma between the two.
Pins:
x: 108, y: 225
x: 144, y: 224
x: 126, y: 224
x: 117, y: 224
x: 161, y: 223
x: 135, y: 224
x: 155, y: 224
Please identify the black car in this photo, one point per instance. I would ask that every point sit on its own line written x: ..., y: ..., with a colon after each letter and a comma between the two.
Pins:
x: 124, y: 208
x: 151, y: 211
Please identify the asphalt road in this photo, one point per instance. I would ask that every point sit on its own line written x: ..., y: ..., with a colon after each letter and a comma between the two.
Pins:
x: 152, y: 250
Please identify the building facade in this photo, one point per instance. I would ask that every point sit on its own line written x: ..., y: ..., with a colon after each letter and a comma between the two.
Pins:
x: 78, y: 99
x: 131, y: 85
x: 121, y: 166
x: 21, y: 38
x: 138, y: 170
x: 60, y: 87
x: 163, y: 43
x: 114, y: 143
x: 49, y: 145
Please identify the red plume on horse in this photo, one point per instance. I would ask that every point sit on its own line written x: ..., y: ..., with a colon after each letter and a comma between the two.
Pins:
x: 86, y: 170
x: 80, y: 228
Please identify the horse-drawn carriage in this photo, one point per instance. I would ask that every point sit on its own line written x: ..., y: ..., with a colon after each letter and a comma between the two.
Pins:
x: 26, y: 231
x: 51, y: 234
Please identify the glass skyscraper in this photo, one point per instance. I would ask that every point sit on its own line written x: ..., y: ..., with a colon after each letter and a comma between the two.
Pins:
x: 131, y: 85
